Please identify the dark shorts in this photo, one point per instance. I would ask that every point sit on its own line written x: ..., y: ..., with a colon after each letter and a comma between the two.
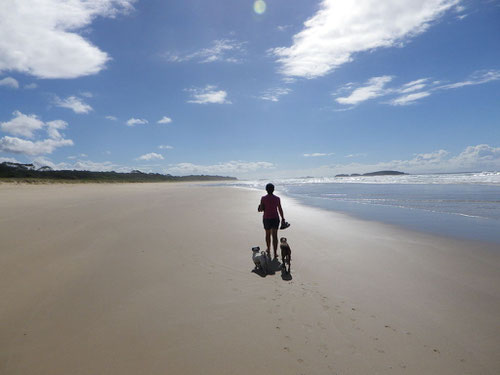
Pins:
x: 271, y: 223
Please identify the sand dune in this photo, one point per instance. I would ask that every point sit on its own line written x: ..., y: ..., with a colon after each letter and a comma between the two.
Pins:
x: 156, y: 279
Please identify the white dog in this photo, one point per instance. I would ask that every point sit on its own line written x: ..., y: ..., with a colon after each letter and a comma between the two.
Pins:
x: 260, y: 260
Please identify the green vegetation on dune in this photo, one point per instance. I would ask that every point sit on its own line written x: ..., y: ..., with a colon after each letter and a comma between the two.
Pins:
x: 27, y: 173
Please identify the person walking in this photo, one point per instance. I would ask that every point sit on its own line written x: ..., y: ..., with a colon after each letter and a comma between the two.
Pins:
x: 270, y: 205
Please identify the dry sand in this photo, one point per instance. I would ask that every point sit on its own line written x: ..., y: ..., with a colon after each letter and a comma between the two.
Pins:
x: 156, y: 279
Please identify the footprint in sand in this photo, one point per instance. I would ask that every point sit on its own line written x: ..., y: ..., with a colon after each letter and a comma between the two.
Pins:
x: 286, y: 349
x: 390, y: 328
x: 300, y: 360
x: 323, y: 349
x: 436, y: 351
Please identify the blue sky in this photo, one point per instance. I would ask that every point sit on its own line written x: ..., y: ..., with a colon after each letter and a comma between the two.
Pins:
x: 251, y: 88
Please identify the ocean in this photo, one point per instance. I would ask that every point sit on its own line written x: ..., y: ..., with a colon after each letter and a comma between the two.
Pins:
x: 460, y: 205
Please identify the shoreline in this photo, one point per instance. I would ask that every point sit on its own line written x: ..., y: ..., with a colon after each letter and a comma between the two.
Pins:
x: 150, y: 278
x: 411, y: 228
x: 412, y: 219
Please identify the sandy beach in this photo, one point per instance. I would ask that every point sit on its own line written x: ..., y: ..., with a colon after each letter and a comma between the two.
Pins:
x: 157, y: 279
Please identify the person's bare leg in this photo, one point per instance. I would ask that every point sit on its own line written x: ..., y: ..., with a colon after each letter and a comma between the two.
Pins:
x: 275, y: 242
x: 268, y: 241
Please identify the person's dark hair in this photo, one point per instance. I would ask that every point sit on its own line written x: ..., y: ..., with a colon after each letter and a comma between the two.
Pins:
x: 269, y: 188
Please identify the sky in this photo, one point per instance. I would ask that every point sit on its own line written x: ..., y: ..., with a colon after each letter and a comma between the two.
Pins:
x: 252, y: 89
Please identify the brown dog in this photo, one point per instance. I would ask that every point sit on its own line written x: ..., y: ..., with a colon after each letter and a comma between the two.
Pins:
x: 286, y: 253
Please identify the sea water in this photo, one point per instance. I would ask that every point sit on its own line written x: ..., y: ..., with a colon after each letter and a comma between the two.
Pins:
x: 465, y: 205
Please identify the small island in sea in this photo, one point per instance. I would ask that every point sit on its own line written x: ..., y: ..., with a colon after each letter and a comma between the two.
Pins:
x: 29, y: 173
x: 378, y: 173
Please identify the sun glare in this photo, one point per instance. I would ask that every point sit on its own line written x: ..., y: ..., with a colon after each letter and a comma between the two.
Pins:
x: 259, y: 6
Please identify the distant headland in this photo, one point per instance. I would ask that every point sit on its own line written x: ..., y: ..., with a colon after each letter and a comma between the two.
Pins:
x: 29, y: 173
x: 378, y: 173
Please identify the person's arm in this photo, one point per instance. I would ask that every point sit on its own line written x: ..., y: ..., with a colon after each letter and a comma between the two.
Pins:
x: 261, y: 206
x: 281, y: 210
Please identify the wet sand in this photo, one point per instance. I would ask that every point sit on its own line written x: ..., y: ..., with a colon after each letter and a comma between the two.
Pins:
x: 157, y: 279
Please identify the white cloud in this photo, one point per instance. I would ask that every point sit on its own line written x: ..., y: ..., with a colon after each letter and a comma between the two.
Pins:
x: 53, y: 128
x: 41, y: 161
x: 22, y: 146
x: 477, y: 78
x: 9, y: 160
x: 480, y: 157
x: 112, y: 118
x: 208, y: 95
x: 283, y: 27
x: 225, y: 50
x: 412, y: 91
x: 460, y: 9
x: 165, y: 147
x: 342, y: 28
x: 474, y: 158
x: 74, y: 103
x: 30, y: 86
x: 412, y: 86
x: 165, y: 120
x: 151, y: 156
x: 318, y: 154
x: 9, y: 82
x: 23, y: 125
x: 373, y: 89
x: 136, y: 121
x: 435, y: 157
x: 483, y: 155
x: 355, y: 155
x: 26, y: 126
x: 274, y: 95
x: 410, y: 98
x: 43, y: 39
x: 88, y: 165
x: 80, y: 165
x: 228, y: 168
x: 73, y: 157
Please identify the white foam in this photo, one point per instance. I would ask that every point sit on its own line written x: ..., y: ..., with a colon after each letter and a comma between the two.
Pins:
x: 476, y: 178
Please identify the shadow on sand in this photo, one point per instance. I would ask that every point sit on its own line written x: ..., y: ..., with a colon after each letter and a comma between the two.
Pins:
x: 273, y: 266
x: 286, y: 276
